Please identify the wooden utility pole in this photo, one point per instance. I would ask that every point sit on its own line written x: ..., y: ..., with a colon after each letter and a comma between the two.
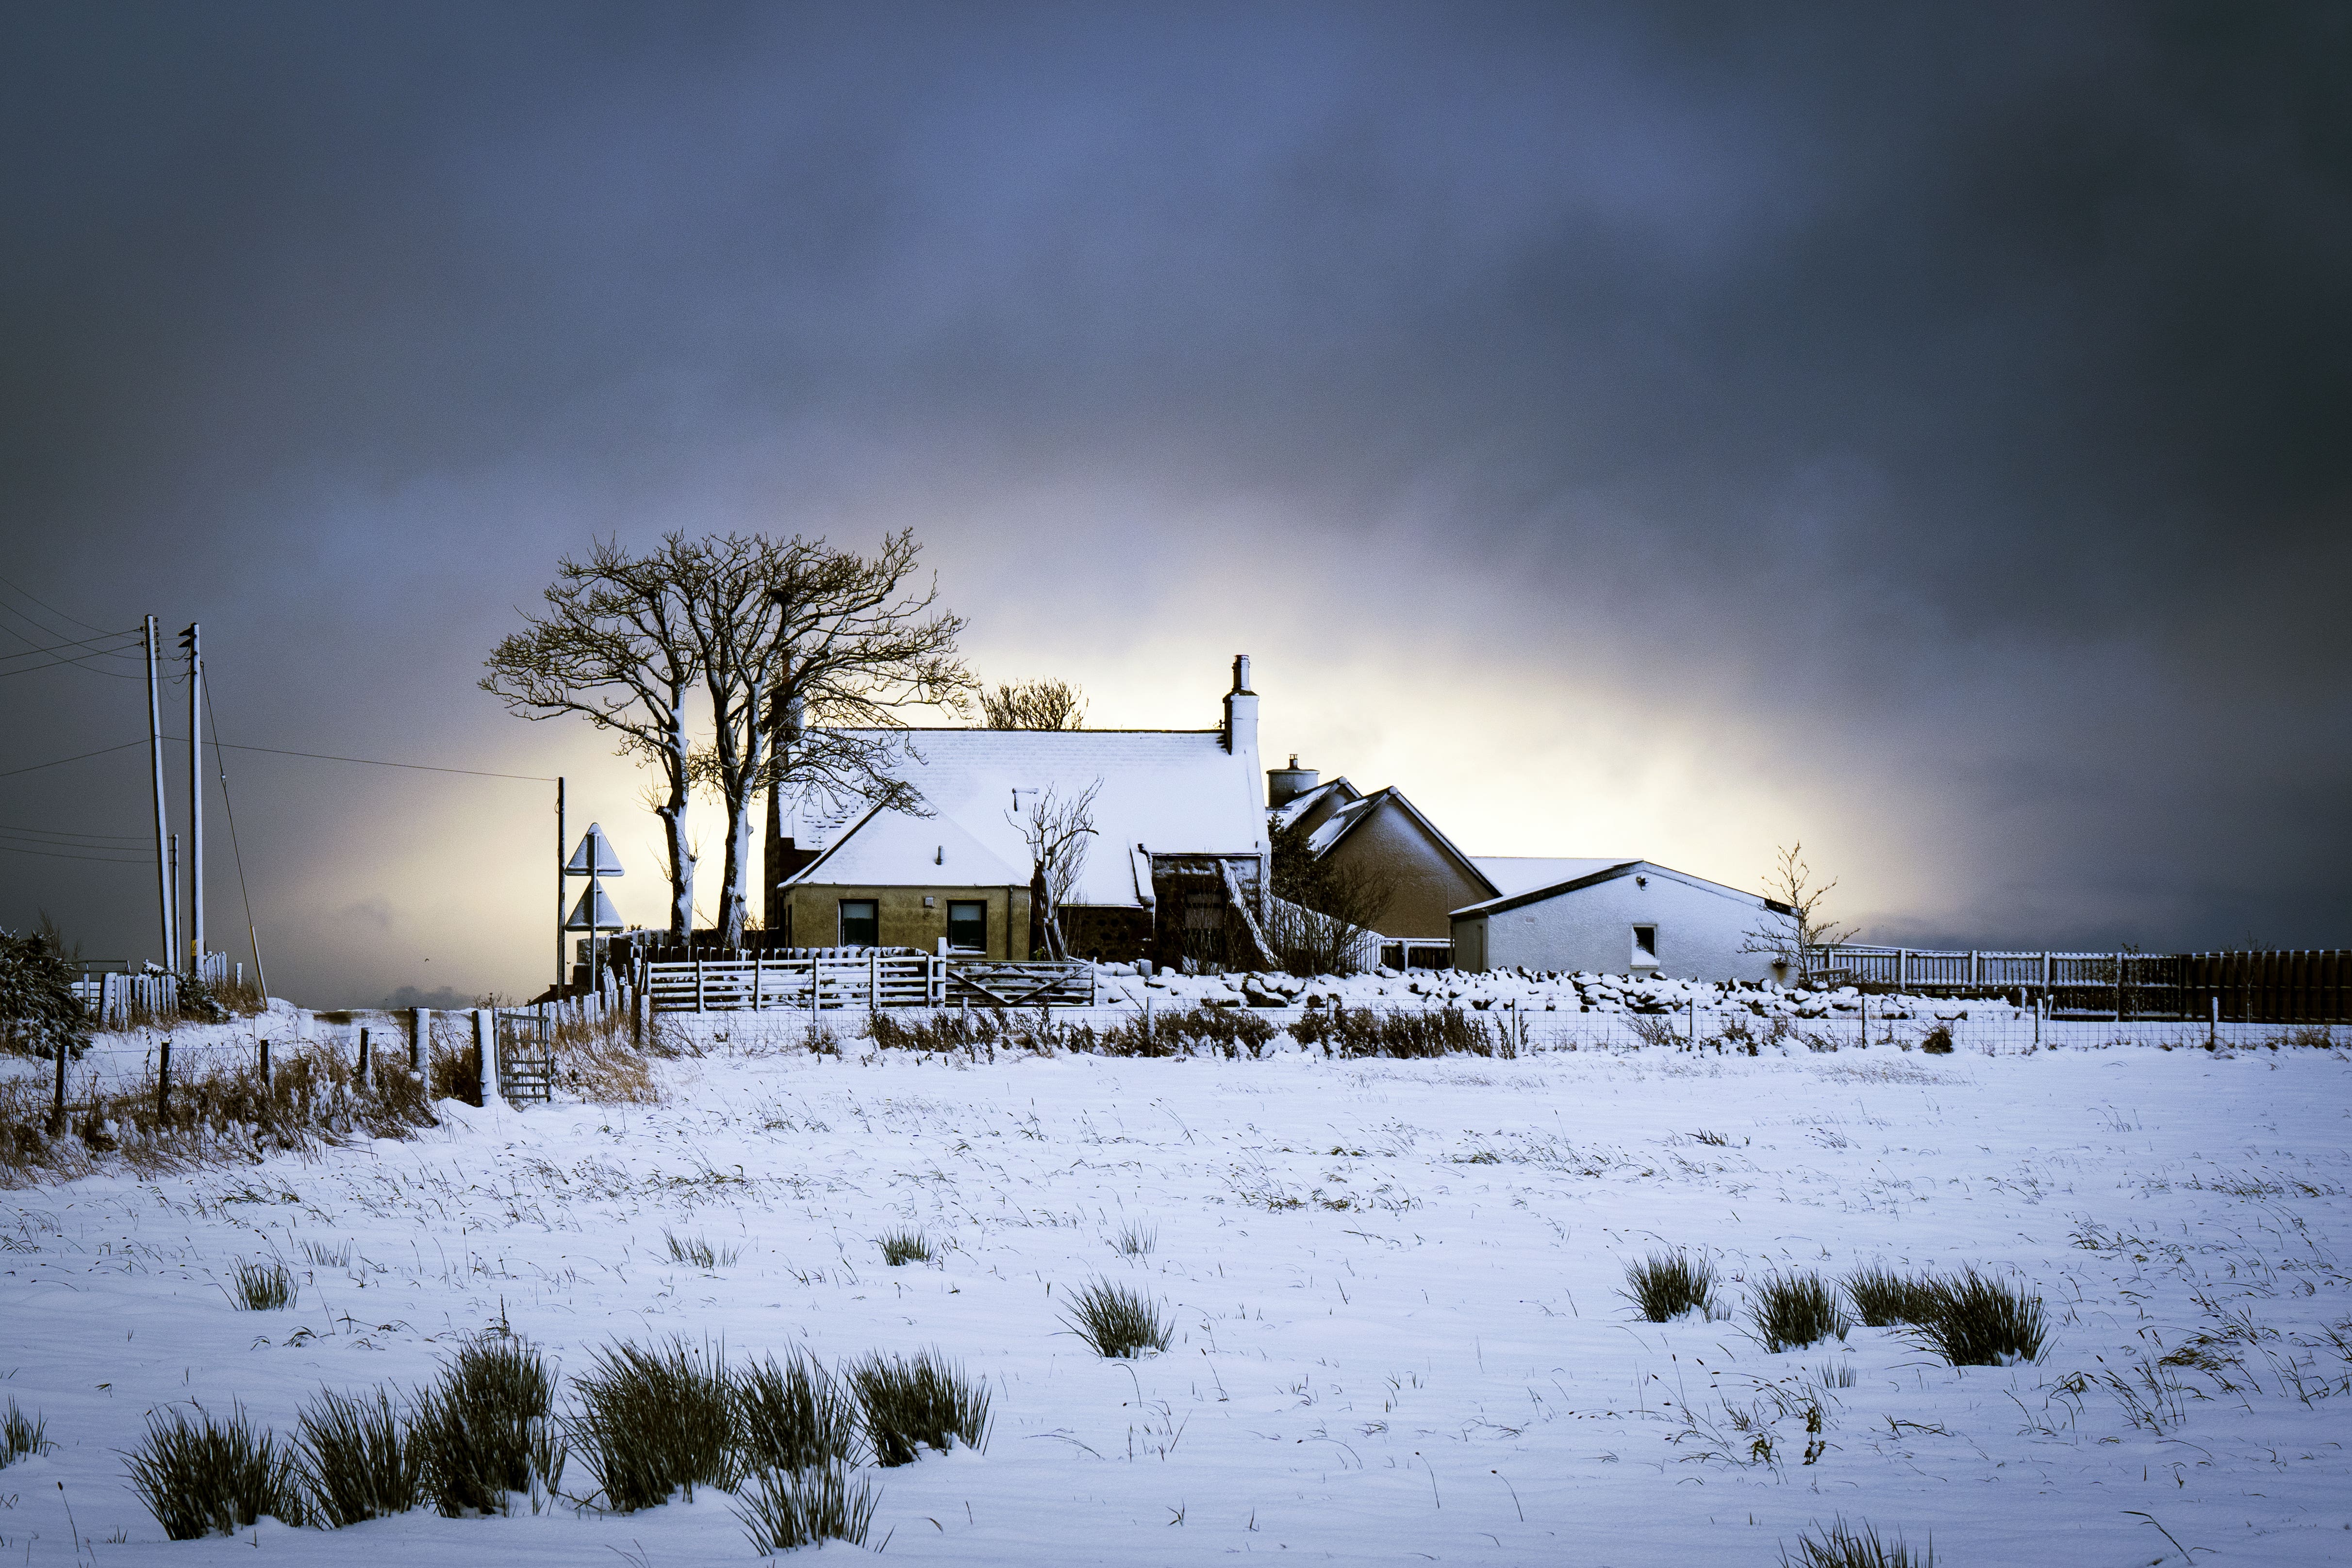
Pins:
x: 166, y: 899
x: 193, y: 640
x: 562, y: 888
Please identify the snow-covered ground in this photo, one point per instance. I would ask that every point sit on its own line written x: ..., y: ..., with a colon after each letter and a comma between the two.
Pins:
x: 1400, y: 1336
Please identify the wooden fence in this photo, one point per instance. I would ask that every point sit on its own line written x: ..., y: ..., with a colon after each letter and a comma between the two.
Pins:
x: 827, y: 981
x: 2282, y: 987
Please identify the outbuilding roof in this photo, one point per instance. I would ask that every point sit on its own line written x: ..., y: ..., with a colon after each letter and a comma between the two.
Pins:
x: 1611, y: 872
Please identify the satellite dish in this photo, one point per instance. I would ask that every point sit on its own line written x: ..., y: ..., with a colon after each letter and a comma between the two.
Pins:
x: 594, y: 857
x: 607, y: 917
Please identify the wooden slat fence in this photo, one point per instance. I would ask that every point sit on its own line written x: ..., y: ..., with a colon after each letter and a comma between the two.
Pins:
x: 2312, y: 985
x: 826, y: 982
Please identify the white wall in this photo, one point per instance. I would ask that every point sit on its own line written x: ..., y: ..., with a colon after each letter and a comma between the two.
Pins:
x: 1700, y: 930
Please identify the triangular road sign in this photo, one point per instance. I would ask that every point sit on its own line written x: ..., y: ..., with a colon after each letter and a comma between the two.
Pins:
x: 594, y: 843
x: 607, y: 917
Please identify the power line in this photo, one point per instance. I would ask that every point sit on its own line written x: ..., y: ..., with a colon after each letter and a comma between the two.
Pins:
x: 236, y: 850
x: 377, y: 762
x: 50, y: 608
x: 77, y: 841
x: 56, y: 855
x: 84, y: 642
x: 61, y: 761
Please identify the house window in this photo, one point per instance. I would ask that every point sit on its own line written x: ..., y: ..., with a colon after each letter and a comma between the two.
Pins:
x: 861, y: 923
x: 967, y: 926
x: 1645, y: 944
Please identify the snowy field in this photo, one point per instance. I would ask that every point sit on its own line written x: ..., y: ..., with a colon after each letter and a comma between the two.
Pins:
x: 1396, y: 1285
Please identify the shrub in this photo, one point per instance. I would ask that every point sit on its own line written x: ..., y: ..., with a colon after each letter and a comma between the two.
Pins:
x: 1845, y: 1546
x: 904, y: 1246
x: 654, y: 1420
x: 786, y: 1509
x: 1979, y: 1320
x: 21, y: 1436
x: 484, y: 1430
x: 1118, y: 1320
x: 1405, y: 1032
x: 1135, y: 1240
x: 1796, y: 1309
x: 37, y: 1007
x: 203, y: 1477
x: 699, y: 1253
x: 1886, y: 1298
x: 357, y: 1458
x: 793, y: 1416
x: 1938, y: 1041
x: 261, y: 1287
x: 1180, y: 1031
x: 917, y: 1400
x: 1665, y: 1285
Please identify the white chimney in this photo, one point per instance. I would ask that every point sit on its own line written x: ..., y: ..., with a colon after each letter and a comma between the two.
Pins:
x: 1241, y: 714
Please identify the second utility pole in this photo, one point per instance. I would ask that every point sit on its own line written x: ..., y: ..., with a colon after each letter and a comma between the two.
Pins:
x: 193, y: 640
x: 166, y: 897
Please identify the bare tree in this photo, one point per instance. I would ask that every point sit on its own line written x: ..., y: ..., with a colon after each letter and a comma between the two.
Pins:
x: 1322, y: 913
x: 807, y: 652
x: 615, y: 647
x: 1795, y: 923
x: 1034, y: 704
x: 1057, y: 830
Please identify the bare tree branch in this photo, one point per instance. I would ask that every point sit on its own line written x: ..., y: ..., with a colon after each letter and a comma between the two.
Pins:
x: 1794, y: 923
x: 1034, y: 704
x: 1056, y: 831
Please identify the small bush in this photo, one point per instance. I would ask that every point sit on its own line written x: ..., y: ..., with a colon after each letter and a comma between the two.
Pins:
x: 1938, y: 1041
x: 1119, y: 1321
x: 1979, y: 1321
x: 484, y: 1431
x: 201, y: 1477
x: 1886, y: 1299
x: 1135, y: 1240
x: 1407, y: 1033
x: 1845, y: 1546
x: 699, y: 1253
x: 21, y: 1436
x: 917, y: 1400
x: 1665, y: 1285
x: 785, y: 1510
x: 793, y: 1416
x: 904, y: 1246
x: 357, y: 1458
x: 261, y: 1287
x: 1796, y: 1309
x: 654, y: 1420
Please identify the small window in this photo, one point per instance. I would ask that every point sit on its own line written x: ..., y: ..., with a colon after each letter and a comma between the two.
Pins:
x: 967, y: 926
x: 861, y: 923
x: 1645, y: 944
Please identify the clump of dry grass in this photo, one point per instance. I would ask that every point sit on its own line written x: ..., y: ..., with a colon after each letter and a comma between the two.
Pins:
x: 596, y: 1060
x: 1410, y: 1033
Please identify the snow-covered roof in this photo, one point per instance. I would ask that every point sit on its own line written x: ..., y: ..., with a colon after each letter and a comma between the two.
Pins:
x: 1519, y: 873
x: 1163, y: 792
x: 1609, y: 871
x: 1305, y: 800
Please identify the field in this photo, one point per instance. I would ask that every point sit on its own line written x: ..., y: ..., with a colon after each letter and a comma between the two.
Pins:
x: 1396, y: 1292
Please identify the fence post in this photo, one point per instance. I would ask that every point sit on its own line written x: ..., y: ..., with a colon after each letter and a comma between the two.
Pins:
x: 265, y: 1067
x: 486, y: 1043
x: 58, y: 1110
x: 163, y: 1078
x: 2213, y: 1025
x: 1902, y: 968
x: 2039, y: 1003
x: 874, y: 980
x: 364, y: 1056
x: 757, y: 954
x: 697, y: 985
x: 2119, y: 987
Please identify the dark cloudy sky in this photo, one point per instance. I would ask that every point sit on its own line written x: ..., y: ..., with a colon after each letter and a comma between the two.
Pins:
x: 1664, y: 429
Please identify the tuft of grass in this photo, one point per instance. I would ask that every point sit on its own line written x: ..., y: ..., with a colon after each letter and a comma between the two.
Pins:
x: 204, y: 1476
x: 1665, y: 1285
x: 917, y: 1400
x: 1886, y: 1299
x: 1835, y: 1375
x: 1843, y: 1545
x: 653, y: 1420
x: 1136, y: 1240
x: 1980, y: 1321
x: 1713, y: 1140
x: 782, y: 1511
x: 793, y: 1416
x: 700, y: 1253
x: 357, y: 1459
x: 261, y: 1287
x: 321, y: 1255
x: 904, y: 1247
x: 22, y: 1435
x: 1795, y: 1310
x: 1118, y: 1320
x: 483, y: 1430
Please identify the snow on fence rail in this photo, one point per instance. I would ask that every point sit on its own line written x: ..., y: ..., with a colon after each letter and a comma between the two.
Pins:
x: 115, y: 998
x: 830, y: 982
x: 2285, y: 986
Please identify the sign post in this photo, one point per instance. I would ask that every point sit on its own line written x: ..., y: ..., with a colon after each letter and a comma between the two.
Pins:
x: 595, y: 913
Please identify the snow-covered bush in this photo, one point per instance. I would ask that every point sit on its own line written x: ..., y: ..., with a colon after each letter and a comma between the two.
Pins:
x: 37, y: 1006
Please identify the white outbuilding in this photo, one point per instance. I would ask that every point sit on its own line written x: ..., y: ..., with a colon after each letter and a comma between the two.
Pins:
x: 1626, y: 917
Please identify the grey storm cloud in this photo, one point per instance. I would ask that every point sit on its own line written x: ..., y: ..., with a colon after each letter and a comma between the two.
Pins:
x: 1950, y: 400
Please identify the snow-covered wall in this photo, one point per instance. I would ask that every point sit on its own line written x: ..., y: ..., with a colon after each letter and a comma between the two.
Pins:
x: 1700, y: 928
